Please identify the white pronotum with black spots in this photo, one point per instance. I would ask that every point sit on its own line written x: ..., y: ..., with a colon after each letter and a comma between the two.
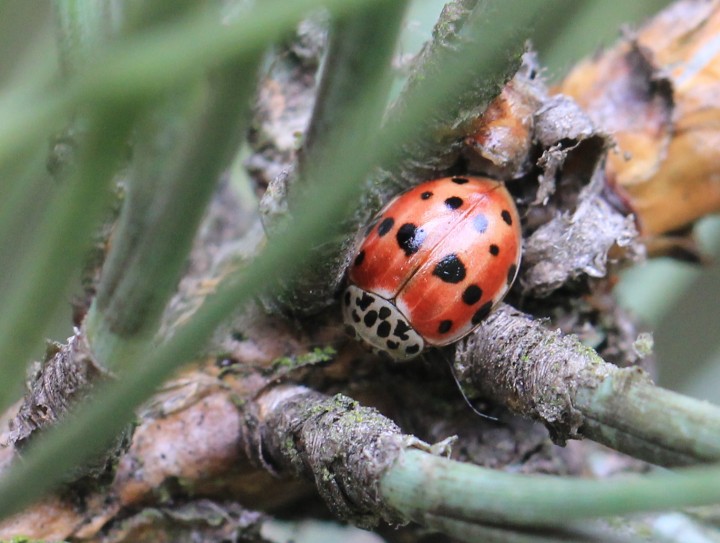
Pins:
x: 380, y: 324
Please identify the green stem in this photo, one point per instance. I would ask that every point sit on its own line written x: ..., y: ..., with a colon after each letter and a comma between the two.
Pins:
x: 149, y: 63
x: 175, y: 170
x: 17, y: 199
x: 542, y: 374
x: 51, y: 261
x: 473, y: 532
x: 419, y: 485
x: 630, y: 414
x: 83, y: 27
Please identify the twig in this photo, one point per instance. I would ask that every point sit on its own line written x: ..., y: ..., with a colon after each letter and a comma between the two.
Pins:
x: 627, y: 412
x: 588, y: 532
x: 419, y: 484
x: 343, y: 446
x: 516, y: 361
x: 366, y: 470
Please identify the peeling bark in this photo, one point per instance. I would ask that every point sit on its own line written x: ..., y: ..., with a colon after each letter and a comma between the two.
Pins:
x: 517, y: 362
x: 286, y: 96
x: 577, y: 245
x: 344, y: 447
x: 65, y: 379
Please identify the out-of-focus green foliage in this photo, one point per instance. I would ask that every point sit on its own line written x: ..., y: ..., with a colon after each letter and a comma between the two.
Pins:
x: 27, y: 196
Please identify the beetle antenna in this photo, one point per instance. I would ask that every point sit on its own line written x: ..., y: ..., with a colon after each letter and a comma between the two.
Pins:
x: 462, y: 391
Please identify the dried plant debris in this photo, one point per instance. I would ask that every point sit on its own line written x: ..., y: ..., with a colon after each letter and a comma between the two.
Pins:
x: 191, y: 521
x: 284, y: 103
x: 570, y: 226
x: 67, y: 377
x: 47, y: 403
x: 656, y: 92
x: 502, y: 137
x: 577, y: 244
x: 563, y: 130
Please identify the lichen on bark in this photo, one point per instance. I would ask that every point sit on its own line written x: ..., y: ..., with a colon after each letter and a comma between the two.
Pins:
x: 342, y: 446
x: 536, y: 372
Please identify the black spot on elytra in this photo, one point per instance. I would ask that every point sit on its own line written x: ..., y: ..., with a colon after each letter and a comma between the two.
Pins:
x: 472, y: 295
x: 385, y: 226
x: 494, y: 250
x: 412, y: 349
x: 370, y: 318
x: 360, y: 258
x: 481, y: 313
x: 425, y: 195
x: 450, y: 269
x: 383, y: 329
x: 392, y: 344
x: 444, y: 327
x: 347, y: 297
x: 349, y: 330
x: 364, y: 302
x: 480, y: 223
x: 506, y: 217
x: 410, y: 238
x: 384, y: 313
x: 460, y: 180
x: 355, y: 316
x: 401, y: 330
x: 511, y: 273
x: 454, y: 202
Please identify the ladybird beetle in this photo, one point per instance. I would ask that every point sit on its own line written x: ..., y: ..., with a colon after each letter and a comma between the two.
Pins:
x: 433, y: 264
